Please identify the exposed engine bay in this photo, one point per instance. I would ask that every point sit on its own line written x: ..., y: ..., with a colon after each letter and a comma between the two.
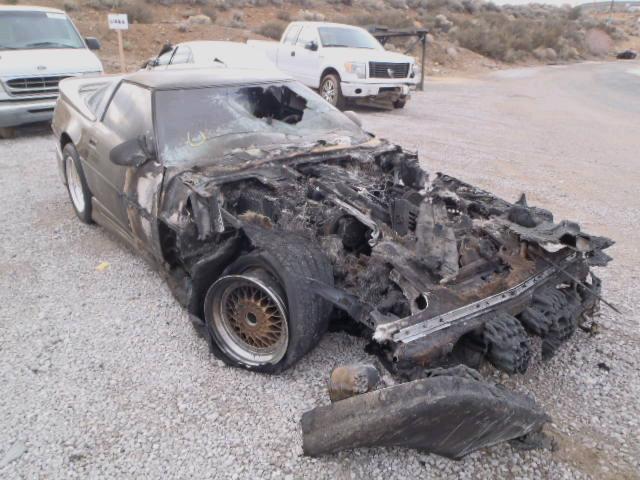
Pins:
x: 433, y: 271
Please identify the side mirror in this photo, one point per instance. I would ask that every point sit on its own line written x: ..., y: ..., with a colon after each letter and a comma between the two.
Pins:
x: 150, y: 63
x: 132, y: 153
x: 92, y: 43
x: 313, y: 46
x: 353, y: 116
x: 167, y: 47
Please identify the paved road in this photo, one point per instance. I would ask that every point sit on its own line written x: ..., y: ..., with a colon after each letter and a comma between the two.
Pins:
x: 102, y: 376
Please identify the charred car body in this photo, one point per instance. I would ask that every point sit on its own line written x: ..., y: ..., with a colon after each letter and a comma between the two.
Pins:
x: 271, y: 214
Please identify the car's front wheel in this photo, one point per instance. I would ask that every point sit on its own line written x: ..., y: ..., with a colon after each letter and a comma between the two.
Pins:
x: 76, y: 183
x: 261, y: 314
x: 330, y: 90
x: 400, y: 103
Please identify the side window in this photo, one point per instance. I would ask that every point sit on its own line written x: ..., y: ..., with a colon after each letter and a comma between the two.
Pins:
x: 292, y: 34
x: 308, y: 34
x: 164, y: 58
x: 182, y: 55
x: 129, y: 113
x: 97, y: 98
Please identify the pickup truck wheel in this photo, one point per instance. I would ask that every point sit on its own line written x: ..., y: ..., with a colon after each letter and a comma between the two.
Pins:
x: 261, y: 314
x: 7, y: 132
x: 330, y: 90
x: 400, y: 103
x: 76, y: 184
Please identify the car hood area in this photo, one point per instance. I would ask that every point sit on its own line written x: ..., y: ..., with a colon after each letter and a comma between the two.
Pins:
x: 51, y: 61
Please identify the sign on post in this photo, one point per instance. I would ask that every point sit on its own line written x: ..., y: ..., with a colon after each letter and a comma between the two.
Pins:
x: 119, y: 22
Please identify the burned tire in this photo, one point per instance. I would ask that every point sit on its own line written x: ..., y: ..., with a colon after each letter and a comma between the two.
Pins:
x: 331, y: 91
x: 262, y: 314
x: 76, y: 184
x: 552, y: 316
x: 507, y: 344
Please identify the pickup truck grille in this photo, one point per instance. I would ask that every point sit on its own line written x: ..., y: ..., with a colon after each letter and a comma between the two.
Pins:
x: 32, y: 86
x: 388, y: 70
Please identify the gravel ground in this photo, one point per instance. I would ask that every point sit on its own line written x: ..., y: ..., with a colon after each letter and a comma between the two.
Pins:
x: 102, y: 375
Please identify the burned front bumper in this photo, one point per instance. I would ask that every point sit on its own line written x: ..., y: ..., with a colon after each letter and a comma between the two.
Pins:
x: 424, y: 340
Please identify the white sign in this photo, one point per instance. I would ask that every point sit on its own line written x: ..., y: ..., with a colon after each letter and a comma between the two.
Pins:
x: 118, y: 21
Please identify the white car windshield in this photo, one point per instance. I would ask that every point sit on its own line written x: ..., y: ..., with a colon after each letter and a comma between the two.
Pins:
x: 203, y: 125
x: 347, y: 37
x: 21, y: 30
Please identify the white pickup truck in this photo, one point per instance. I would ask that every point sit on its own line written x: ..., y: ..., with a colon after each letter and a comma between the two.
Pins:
x: 343, y: 62
x: 38, y: 48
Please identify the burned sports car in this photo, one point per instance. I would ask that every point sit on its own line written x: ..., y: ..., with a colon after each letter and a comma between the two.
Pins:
x: 272, y: 214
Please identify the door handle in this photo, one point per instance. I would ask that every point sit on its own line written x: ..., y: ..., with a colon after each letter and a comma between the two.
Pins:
x: 293, y: 53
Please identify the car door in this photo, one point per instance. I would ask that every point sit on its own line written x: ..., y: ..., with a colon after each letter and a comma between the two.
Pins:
x: 127, y: 116
x: 287, y: 50
x: 307, y: 64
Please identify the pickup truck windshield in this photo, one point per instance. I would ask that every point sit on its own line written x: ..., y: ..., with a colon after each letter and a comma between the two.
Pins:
x: 203, y: 125
x: 26, y: 30
x: 347, y: 37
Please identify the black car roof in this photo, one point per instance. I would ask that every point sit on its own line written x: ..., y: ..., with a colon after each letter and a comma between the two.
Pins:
x: 202, y: 77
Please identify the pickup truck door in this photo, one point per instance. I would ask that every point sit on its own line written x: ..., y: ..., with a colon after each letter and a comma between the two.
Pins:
x: 286, y: 55
x: 127, y: 116
x: 307, y: 58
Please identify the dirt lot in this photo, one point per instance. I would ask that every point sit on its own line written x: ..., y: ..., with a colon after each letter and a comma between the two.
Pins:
x: 101, y: 373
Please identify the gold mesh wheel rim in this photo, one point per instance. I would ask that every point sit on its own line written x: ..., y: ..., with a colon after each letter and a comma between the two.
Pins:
x: 254, y: 316
x: 249, y: 319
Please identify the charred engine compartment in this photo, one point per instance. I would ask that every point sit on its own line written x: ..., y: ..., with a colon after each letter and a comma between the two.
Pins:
x: 438, y: 274
x: 407, y: 250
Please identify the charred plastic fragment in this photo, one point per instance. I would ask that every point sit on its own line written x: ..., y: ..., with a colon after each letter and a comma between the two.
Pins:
x: 349, y: 380
x: 450, y: 413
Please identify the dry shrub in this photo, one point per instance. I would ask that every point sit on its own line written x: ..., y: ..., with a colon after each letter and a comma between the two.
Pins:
x: 496, y: 36
x: 211, y: 11
x: 273, y: 29
x: 70, y: 5
x: 137, y: 12
x: 283, y: 15
x: 389, y: 18
x: 105, y: 4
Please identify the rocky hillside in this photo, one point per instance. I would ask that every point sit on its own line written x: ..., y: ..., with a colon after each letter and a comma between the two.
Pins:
x: 466, y: 35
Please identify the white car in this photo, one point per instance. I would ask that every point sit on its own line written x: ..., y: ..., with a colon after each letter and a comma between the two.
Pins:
x: 38, y: 48
x: 343, y: 62
x: 209, y: 54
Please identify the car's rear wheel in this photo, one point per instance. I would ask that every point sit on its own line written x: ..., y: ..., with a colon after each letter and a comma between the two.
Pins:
x: 261, y: 314
x: 331, y: 91
x: 76, y: 184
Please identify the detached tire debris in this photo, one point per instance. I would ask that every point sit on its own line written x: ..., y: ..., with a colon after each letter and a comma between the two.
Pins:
x: 451, y: 413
